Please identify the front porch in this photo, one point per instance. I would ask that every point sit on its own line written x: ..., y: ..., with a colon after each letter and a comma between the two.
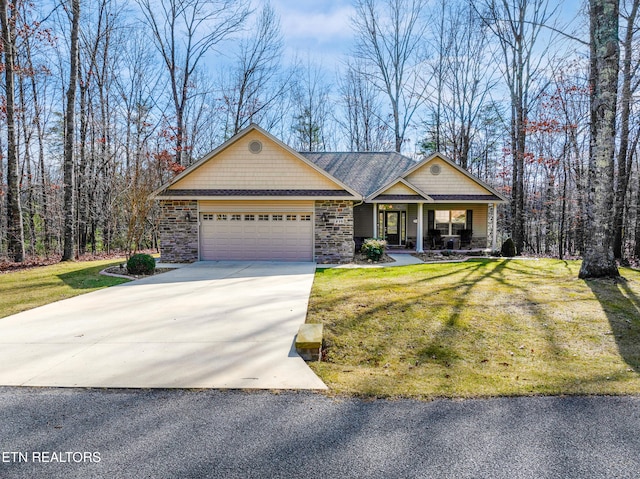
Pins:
x: 418, y: 227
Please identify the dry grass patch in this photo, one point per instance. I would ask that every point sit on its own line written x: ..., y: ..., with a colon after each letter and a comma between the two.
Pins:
x: 479, y: 328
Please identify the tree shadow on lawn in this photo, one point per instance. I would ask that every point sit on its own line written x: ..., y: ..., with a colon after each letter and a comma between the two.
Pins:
x: 90, y: 278
x: 442, y: 343
x: 620, y: 301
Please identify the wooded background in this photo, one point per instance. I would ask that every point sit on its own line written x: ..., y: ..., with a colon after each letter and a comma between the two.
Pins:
x: 105, y: 100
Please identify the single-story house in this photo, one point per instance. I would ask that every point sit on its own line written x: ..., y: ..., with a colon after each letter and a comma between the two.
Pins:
x: 255, y: 198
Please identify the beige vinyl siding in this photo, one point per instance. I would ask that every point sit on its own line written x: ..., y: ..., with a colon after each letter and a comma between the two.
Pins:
x: 449, y: 182
x: 273, y: 168
x: 249, y: 206
x: 399, y: 189
x: 363, y: 220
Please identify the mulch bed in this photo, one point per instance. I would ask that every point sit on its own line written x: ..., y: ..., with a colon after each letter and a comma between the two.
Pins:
x: 359, y: 258
x: 122, y: 271
x: 431, y: 257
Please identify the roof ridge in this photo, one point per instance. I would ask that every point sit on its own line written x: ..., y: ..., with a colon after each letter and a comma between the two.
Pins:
x: 353, y: 153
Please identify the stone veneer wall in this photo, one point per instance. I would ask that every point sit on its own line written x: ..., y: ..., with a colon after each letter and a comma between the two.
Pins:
x: 479, y: 242
x: 178, y: 237
x: 334, y: 237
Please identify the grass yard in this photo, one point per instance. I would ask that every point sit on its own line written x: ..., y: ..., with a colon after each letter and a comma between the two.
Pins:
x: 479, y: 328
x: 26, y: 289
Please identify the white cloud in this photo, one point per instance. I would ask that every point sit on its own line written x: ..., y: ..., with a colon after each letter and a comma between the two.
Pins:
x: 315, y: 23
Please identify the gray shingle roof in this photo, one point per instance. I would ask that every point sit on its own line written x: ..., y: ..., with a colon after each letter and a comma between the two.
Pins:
x: 364, y: 172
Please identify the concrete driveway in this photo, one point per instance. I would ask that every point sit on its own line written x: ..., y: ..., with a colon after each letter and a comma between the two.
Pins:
x: 206, y: 325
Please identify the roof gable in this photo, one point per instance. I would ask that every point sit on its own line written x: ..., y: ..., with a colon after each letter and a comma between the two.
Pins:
x: 235, y: 167
x: 438, y: 177
x: 398, y: 190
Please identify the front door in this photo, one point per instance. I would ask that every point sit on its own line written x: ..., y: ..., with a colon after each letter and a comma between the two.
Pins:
x: 392, y: 227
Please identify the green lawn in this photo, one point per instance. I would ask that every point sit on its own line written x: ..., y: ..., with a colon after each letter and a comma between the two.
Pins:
x: 479, y: 328
x: 22, y: 290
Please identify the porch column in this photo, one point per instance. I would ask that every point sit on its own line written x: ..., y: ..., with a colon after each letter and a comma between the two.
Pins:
x: 420, y: 232
x: 495, y: 227
x: 375, y: 220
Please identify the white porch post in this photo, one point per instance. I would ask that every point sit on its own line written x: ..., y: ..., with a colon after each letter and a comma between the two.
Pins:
x: 420, y: 232
x: 495, y: 227
x: 375, y: 220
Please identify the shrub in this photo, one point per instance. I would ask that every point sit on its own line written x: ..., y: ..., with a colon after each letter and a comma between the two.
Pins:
x: 373, y: 248
x: 508, y: 248
x: 141, y: 264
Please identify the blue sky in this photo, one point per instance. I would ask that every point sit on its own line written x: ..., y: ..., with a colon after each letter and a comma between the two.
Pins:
x: 321, y: 28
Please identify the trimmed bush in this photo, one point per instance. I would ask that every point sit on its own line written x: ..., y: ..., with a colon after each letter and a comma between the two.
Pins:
x: 141, y: 264
x: 373, y: 248
x: 508, y: 248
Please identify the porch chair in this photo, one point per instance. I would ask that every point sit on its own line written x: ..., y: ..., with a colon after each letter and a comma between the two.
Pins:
x: 434, y: 239
x: 465, y: 238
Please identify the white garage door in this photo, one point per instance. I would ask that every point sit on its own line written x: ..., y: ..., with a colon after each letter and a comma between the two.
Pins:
x: 281, y: 236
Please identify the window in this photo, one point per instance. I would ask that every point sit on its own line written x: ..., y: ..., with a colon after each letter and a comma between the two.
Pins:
x: 263, y: 217
x: 235, y: 217
x: 249, y: 217
x: 207, y: 217
x: 276, y: 217
x: 305, y: 217
x: 450, y: 222
x: 221, y: 217
x: 292, y: 217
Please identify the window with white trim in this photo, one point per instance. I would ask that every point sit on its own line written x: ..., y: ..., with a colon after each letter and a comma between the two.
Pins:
x: 276, y: 217
x: 292, y: 217
x: 305, y: 217
x: 263, y: 217
x: 221, y: 217
x: 249, y: 217
x: 236, y: 217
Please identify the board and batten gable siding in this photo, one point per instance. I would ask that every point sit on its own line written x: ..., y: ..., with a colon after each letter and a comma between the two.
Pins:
x: 272, y: 168
x: 449, y: 181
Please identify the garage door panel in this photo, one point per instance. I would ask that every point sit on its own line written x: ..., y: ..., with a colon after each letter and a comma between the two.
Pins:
x: 281, y: 236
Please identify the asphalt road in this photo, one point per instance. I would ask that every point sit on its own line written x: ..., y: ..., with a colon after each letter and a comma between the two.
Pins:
x: 233, y: 434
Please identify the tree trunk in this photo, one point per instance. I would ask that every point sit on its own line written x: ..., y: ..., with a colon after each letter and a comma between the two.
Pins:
x: 605, y: 54
x: 624, y: 156
x: 15, y: 231
x: 69, y: 201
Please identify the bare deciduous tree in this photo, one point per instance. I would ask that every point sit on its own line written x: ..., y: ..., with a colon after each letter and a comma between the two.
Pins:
x: 467, y: 79
x: 15, y: 229
x: 598, y: 258
x: 255, y: 84
x: 517, y: 25
x: 311, y: 111
x: 625, y: 155
x: 184, y: 31
x: 68, y: 252
x: 363, y: 123
x: 390, y: 42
